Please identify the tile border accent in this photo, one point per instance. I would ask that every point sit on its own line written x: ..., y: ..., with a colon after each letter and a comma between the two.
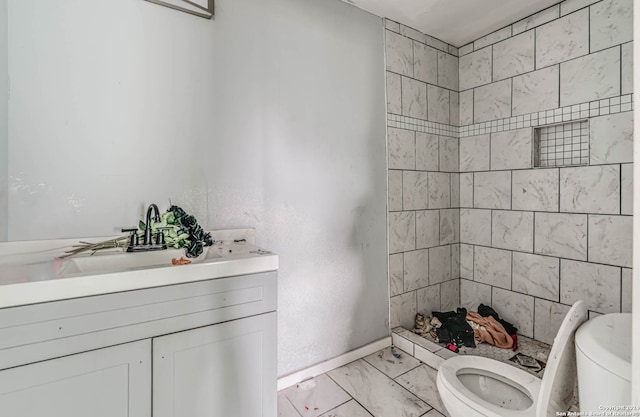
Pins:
x: 419, y: 125
x: 575, y: 112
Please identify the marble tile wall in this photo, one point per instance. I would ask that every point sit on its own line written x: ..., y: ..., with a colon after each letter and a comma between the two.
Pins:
x: 470, y: 219
x: 573, y: 53
x: 422, y: 74
x: 423, y: 181
x: 535, y: 240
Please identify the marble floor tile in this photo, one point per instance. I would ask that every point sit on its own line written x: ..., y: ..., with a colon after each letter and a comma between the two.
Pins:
x: 382, y: 396
x: 285, y: 408
x: 422, y: 382
x: 371, y: 393
x: 316, y: 396
x: 350, y: 409
x: 390, y: 365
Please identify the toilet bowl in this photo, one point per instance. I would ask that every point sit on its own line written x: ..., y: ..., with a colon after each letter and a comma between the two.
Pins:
x: 474, y: 386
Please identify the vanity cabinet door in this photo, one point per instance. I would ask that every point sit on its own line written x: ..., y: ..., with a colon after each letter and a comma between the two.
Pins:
x: 224, y: 370
x: 109, y: 382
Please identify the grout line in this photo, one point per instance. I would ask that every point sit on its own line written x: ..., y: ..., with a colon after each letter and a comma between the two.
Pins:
x: 621, y: 69
x: 492, y: 75
x: 589, y: 29
x: 293, y: 406
x: 588, y: 237
x: 401, y: 95
x: 341, y: 387
x: 534, y: 232
x: 511, y: 272
x: 560, y: 16
x: 621, y: 284
x: 559, y: 188
x: 511, y: 189
x: 413, y: 59
x: 559, y: 280
x: 491, y: 230
x: 511, y: 102
x: 533, y: 320
x: 473, y: 265
x: 546, y: 255
x: 535, y: 47
x: 491, y: 297
x: 560, y: 85
x: 415, y: 151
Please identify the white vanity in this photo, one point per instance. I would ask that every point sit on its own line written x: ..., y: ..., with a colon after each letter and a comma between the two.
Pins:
x: 119, y: 339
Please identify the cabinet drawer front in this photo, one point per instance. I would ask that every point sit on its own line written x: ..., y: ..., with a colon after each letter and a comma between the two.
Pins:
x: 110, y: 382
x: 227, y: 369
x: 56, y: 329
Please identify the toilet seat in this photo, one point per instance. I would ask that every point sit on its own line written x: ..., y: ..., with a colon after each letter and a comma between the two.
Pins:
x: 448, y: 380
x: 550, y: 394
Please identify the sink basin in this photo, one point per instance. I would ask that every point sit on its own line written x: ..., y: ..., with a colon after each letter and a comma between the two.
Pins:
x: 102, y: 262
x: 34, y: 272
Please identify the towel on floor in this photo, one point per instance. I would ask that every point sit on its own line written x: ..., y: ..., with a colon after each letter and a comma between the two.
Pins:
x: 486, y: 311
x: 489, y: 330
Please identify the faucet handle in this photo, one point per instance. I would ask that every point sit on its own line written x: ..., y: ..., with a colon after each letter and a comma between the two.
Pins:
x: 160, y: 236
x: 134, y: 236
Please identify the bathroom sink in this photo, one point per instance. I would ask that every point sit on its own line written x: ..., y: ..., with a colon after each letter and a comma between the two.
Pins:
x: 230, y: 249
x: 103, y: 262
x: 37, y: 272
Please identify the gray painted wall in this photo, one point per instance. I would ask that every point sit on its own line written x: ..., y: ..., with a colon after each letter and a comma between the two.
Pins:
x: 4, y: 139
x: 271, y: 116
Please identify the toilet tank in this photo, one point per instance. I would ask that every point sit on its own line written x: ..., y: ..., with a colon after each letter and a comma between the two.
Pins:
x: 603, y: 354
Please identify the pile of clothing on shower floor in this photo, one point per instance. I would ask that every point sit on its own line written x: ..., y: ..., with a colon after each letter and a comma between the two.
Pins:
x: 466, y: 328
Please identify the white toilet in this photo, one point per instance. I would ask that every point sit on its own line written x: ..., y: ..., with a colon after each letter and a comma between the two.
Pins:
x: 603, y: 353
x: 473, y: 386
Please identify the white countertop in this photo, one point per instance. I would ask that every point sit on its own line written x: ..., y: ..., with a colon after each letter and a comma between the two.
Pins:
x: 31, y: 272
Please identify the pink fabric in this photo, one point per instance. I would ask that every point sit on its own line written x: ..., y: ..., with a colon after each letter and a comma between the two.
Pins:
x: 492, y: 332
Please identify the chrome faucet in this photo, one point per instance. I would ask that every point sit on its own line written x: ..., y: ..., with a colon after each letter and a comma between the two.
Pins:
x: 147, y: 227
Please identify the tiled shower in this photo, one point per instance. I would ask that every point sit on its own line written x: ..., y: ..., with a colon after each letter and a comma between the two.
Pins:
x: 510, y: 167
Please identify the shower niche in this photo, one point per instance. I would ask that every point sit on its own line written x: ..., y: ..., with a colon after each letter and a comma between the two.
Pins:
x: 562, y: 144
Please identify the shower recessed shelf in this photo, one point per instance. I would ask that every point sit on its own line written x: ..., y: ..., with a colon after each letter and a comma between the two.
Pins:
x: 562, y: 144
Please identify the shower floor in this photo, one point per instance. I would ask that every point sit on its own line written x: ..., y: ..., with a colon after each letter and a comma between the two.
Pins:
x: 426, y: 350
x: 382, y: 385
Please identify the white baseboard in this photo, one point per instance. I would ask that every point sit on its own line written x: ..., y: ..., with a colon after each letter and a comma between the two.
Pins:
x: 322, y: 367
